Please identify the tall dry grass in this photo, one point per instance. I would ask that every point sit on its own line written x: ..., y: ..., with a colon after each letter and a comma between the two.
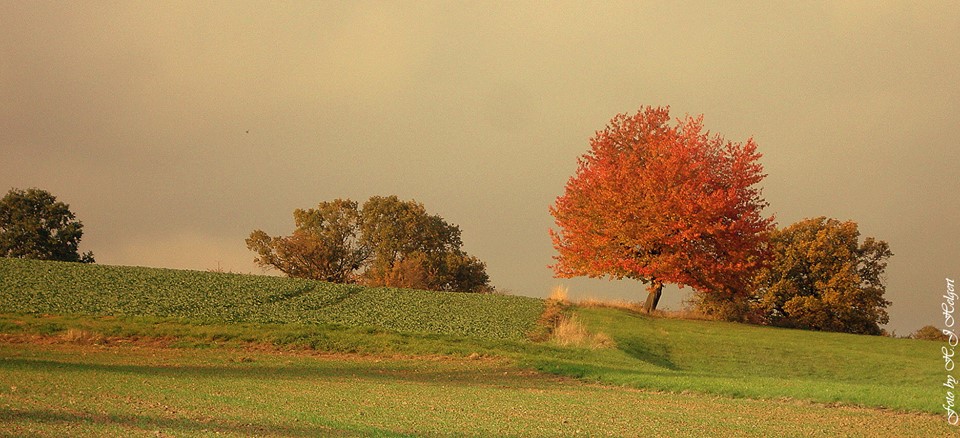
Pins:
x: 571, y: 332
x: 566, y: 329
x: 560, y: 293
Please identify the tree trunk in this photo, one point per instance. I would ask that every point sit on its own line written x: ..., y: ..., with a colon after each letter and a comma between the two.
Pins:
x: 653, y: 296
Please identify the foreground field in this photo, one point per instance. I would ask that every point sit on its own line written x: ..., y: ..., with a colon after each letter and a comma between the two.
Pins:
x: 760, y: 362
x: 85, y: 330
x: 74, y: 390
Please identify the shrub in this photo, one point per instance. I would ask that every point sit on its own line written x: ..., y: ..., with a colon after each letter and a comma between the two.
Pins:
x: 929, y: 333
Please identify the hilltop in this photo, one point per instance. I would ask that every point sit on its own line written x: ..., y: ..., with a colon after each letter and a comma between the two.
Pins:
x: 40, y: 287
x: 94, y: 304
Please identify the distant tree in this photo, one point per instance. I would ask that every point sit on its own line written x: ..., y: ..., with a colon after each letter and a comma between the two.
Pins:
x: 326, y: 244
x: 412, y: 248
x: 821, y: 277
x: 34, y: 225
x: 662, y: 204
x: 929, y: 333
x: 388, y: 242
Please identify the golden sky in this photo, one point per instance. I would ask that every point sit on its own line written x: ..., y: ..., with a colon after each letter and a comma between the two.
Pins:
x: 173, y: 129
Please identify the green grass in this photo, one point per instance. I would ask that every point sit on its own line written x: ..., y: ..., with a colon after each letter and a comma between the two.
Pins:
x: 291, y: 337
x: 84, y: 390
x: 689, y: 361
x: 759, y: 362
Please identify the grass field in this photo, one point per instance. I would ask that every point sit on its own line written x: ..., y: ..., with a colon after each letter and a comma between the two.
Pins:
x: 761, y: 362
x: 81, y: 353
x: 84, y: 390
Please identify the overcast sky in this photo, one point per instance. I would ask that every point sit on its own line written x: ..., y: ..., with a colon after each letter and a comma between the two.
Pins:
x: 174, y: 129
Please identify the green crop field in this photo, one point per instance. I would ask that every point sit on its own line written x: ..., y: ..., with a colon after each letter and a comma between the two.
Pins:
x: 101, y: 350
x: 36, y: 287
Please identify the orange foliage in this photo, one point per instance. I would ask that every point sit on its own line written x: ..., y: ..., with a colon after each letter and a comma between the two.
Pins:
x: 662, y: 204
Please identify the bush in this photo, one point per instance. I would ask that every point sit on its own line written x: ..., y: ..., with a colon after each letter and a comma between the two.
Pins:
x: 819, y: 275
x: 929, y: 333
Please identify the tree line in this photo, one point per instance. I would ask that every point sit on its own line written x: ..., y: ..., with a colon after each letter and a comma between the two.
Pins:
x: 386, y: 242
x: 651, y: 201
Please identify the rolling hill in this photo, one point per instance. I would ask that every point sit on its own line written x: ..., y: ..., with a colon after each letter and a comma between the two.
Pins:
x: 202, y: 309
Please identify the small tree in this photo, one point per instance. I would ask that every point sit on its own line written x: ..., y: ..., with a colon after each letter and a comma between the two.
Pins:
x: 34, y: 225
x: 821, y: 277
x: 662, y: 204
x: 325, y: 245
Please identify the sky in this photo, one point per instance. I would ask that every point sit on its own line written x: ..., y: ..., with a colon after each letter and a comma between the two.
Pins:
x: 174, y: 129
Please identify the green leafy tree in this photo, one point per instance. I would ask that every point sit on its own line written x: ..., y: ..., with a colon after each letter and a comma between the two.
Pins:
x: 388, y: 242
x: 34, y: 225
x: 822, y: 277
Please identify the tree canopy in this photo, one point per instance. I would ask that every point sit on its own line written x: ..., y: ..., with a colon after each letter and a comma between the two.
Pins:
x: 662, y: 204
x: 387, y: 242
x: 324, y: 246
x: 34, y: 225
x: 822, y: 277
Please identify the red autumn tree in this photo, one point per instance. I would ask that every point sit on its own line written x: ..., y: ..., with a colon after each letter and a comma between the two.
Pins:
x: 663, y: 204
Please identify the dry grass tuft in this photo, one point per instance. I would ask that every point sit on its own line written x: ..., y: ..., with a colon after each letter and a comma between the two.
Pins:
x: 83, y: 337
x: 560, y: 293
x: 570, y: 332
x: 558, y: 325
